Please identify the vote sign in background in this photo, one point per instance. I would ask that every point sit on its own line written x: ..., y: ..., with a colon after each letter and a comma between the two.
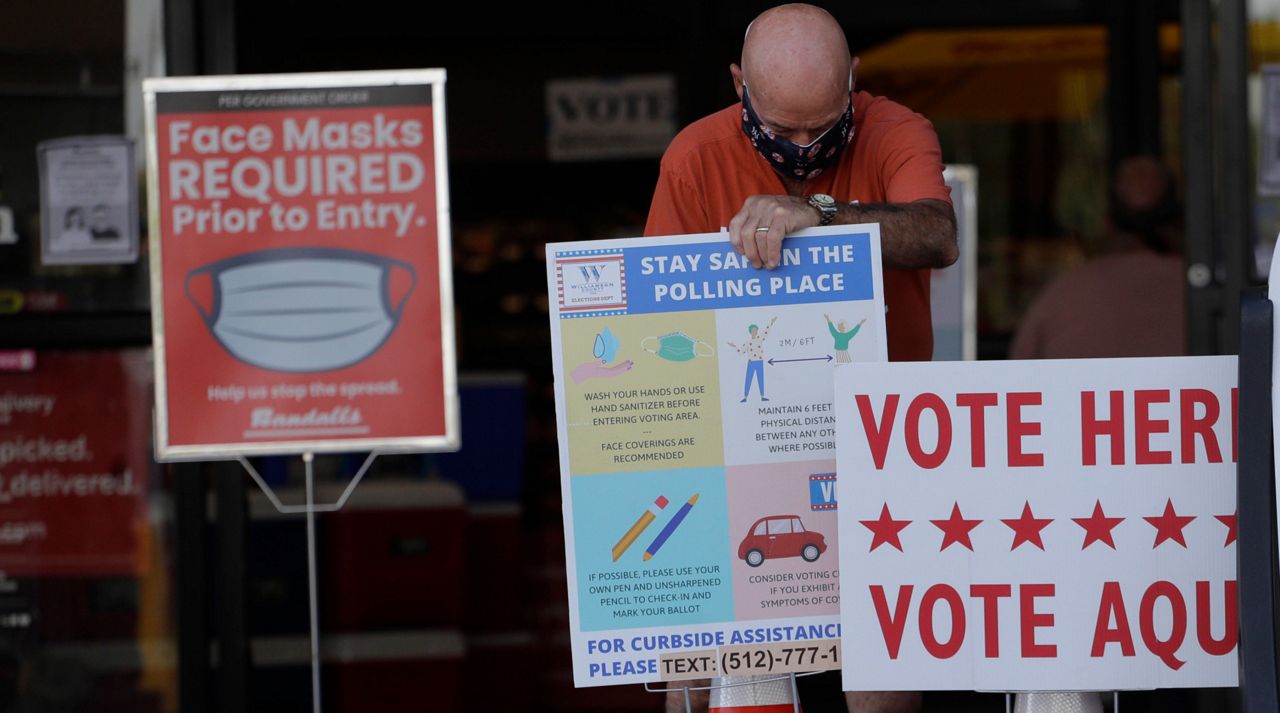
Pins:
x: 1038, y: 525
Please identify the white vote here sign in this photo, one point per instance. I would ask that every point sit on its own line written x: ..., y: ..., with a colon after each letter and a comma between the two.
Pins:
x: 1038, y: 525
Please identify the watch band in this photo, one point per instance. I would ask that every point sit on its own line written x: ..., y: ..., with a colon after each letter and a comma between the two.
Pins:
x: 826, y: 207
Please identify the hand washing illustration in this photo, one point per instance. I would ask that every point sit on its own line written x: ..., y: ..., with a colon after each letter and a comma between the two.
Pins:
x: 603, y: 351
x: 301, y: 310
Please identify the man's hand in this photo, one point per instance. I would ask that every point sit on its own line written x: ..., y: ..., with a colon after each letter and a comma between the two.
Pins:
x: 757, y: 230
x: 913, y: 236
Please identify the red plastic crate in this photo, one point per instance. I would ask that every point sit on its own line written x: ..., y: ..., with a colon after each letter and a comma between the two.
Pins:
x: 393, y: 557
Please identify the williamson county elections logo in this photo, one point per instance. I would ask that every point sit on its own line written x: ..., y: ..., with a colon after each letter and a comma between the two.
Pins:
x: 589, y: 281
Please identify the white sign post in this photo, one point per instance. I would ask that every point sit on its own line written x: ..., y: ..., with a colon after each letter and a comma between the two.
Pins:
x: 1038, y: 525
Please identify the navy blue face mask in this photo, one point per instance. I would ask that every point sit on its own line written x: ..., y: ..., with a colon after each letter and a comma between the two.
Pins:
x: 792, y: 160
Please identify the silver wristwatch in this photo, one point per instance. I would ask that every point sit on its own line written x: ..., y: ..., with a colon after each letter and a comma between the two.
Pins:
x: 826, y: 206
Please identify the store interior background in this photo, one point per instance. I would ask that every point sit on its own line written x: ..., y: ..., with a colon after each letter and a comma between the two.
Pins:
x: 464, y: 600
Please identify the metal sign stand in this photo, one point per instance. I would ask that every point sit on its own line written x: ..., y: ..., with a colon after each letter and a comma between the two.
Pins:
x: 310, y: 508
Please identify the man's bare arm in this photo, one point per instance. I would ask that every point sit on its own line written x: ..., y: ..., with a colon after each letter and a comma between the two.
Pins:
x: 915, y: 235
x: 920, y: 234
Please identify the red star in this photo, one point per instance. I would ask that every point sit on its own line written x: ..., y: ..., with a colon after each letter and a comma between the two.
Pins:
x: 1230, y: 522
x: 885, y: 530
x: 1027, y: 528
x: 1169, y: 525
x: 955, y: 529
x: 1097, y: 527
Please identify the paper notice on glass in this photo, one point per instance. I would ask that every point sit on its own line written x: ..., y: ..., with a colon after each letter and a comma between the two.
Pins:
x: 88, y: 201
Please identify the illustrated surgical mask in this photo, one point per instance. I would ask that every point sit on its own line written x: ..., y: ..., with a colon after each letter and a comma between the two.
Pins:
x: 793, y: 160
x: 676, y: 346
x: 301, y: 309
x: 606, y: 346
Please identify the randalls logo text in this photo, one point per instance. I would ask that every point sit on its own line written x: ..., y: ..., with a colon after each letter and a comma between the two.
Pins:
x: 266, y: 417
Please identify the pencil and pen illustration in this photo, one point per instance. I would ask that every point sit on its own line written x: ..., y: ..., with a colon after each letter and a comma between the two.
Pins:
x: 671, y: 526
x: 639, y: 527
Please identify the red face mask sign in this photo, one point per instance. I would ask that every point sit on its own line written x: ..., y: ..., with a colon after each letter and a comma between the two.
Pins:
x: 300, y: 247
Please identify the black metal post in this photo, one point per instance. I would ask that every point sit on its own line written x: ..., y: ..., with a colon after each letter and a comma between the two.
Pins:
x: 1133, y: 79
x: 193, y: 629
x: 232, y: 595
x: 1255, y: 502
x: 1197, y: 176
x: 219, y: 25
x: 1235, y: 198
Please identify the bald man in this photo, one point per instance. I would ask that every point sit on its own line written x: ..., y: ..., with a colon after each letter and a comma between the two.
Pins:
x: 803, y: 149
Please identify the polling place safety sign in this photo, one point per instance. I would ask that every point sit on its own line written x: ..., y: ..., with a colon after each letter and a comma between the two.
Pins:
x: 697, y: 444
x: 1038, y: 525
x: 300, y: 262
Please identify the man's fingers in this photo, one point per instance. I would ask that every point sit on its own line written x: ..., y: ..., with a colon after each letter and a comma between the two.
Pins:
x: 750, y: 232
x: 762, y: 244
x: 751, y: 246
x: 735, y: 229
x: 771, y: 249
x: 758, y: 229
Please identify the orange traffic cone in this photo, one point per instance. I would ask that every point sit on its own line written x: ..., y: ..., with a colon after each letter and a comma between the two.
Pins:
x: 753, y: 694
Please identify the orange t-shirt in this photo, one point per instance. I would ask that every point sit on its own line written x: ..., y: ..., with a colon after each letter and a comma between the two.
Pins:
x: 710, y: 169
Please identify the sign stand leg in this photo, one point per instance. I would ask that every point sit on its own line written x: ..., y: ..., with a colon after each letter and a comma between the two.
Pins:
x: 1008, y: 703
x: 310, y: 509
x: 307, y: 459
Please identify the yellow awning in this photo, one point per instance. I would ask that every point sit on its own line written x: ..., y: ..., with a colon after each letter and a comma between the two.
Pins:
x: 999, y: 74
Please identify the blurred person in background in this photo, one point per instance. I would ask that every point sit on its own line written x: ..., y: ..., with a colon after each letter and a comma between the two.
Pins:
x: 1131, y: 301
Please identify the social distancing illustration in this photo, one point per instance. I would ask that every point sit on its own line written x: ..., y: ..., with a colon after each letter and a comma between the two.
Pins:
x: 841, y: 335
x: 301, y: 309
x: 776, y: 367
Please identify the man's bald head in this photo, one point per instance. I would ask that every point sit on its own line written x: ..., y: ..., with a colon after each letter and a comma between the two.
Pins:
x: 796, y: 56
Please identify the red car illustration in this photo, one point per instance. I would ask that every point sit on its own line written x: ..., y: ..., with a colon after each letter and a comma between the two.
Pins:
x: 780, y: 536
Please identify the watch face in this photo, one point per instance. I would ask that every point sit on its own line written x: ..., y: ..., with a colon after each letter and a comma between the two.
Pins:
x: 822, y: 200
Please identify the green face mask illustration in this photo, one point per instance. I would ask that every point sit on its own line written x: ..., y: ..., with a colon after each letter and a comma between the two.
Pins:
x: 676, y: 346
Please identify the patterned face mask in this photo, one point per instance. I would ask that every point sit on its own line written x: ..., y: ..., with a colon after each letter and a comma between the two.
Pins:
x: 792, y: 160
